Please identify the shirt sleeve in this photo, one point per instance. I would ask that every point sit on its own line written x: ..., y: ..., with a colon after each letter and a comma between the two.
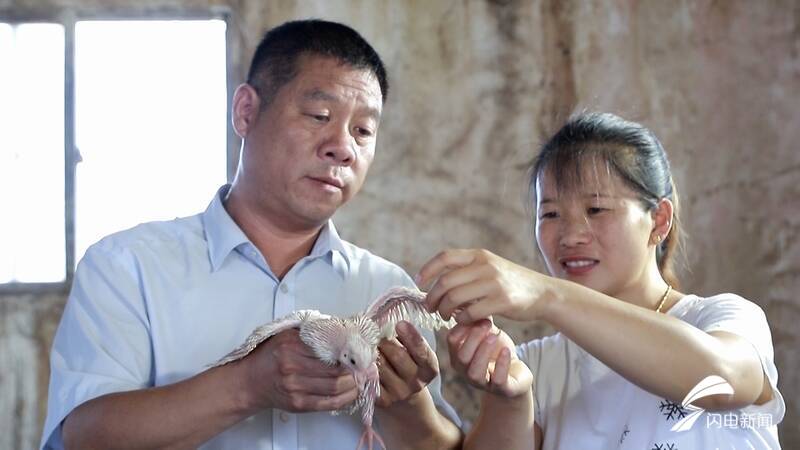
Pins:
x: 736, y: 315
x: 102, y: 344
x: 531, y: 353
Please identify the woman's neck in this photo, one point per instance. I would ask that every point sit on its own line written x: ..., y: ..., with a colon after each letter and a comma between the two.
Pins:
x: 648, y: 292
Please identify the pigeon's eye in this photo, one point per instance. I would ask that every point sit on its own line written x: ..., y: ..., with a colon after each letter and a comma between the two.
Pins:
x: 352, y: 361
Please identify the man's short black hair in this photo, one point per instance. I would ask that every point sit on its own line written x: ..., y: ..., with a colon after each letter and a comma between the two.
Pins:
x: 275, y: 61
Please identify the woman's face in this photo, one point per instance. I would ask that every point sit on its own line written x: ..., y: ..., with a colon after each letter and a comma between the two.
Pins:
x: 596, y: 234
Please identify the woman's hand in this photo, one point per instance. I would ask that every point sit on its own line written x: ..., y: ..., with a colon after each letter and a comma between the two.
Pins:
x: 475, y: 284
x: 485, y: 355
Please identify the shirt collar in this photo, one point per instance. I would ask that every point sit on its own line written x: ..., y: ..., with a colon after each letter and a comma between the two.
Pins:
x: 329, y: 243
x: 224, y: 235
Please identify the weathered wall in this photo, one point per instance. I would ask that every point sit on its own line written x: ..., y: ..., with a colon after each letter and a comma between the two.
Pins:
x: 477, y: 85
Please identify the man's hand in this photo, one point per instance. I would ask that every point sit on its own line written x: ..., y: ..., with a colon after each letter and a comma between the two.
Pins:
x: 406, y: 365
x: 284, y: 373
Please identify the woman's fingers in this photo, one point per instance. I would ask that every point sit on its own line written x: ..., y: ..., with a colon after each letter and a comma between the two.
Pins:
x: 476, y: 336
x: 485, y: 356
x: 444, y: 261
x: 478, y: 370
x: 461, y: 297
x: 458, y: 278
x: 499, y: 377
x: 478, y: 310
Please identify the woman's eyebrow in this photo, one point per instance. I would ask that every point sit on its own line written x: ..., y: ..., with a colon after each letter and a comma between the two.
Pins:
x: 599, y: 195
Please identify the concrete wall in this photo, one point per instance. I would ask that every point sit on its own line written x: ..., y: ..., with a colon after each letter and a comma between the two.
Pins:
x: 477, y: 85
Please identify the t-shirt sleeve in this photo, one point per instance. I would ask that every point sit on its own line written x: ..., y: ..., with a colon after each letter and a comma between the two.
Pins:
x: 531, y: 354
x: 102, y: 344
x: 734, y: 314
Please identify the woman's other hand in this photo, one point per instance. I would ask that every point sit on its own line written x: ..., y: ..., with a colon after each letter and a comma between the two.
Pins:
x: 485, y: 355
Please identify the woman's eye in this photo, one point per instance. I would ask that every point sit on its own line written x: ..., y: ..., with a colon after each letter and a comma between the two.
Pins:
x: 549, y: 215
x: 595, y: 210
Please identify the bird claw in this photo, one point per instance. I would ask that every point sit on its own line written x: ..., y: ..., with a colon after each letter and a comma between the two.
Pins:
x: 366, y: 438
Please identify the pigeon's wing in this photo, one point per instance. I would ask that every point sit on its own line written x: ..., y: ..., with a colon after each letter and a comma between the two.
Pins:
x: 402, y: 303
x: 264, y: 332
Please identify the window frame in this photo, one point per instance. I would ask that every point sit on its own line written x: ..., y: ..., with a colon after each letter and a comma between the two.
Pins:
x: 68, y: 18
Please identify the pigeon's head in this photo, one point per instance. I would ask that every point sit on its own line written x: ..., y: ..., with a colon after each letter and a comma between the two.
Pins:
x: 357, y: 353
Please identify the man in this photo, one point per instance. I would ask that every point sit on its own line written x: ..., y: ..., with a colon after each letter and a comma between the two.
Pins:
x: 153, y: 306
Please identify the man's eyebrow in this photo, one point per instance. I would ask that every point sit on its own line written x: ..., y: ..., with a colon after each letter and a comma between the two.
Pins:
x: 320, y: 95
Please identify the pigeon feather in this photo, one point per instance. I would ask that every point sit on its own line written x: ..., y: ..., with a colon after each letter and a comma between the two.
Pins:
x: 266, y: 331
x: 404, y: 304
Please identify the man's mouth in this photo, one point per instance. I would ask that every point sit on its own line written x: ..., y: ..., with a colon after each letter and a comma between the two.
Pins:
x: 329, y: 181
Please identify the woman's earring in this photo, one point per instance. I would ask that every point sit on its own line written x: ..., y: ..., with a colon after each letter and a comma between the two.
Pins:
x: 658, y: 239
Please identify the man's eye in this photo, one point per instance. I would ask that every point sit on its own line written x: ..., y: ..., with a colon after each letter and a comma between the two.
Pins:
x: 319, y: 117
x: 364, y: 132
x: 549, y: 215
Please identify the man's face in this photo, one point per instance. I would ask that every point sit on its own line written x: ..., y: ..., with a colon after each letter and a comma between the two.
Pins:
x: 308, y: 152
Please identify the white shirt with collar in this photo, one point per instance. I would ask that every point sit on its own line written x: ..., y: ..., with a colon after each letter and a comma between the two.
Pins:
x: 158, y: 303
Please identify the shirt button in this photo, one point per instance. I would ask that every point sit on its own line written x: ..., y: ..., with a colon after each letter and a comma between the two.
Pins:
x: 284, y: 416
x: 284, y: 289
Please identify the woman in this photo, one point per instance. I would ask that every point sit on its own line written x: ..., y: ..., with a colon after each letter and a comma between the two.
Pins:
x: 630, y: 346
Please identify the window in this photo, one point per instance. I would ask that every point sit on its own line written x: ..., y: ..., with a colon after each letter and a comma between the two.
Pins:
x: 143, y: 137
x: 32, y: 246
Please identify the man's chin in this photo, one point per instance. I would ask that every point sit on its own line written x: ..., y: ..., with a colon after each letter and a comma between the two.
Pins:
x: 316, y: 217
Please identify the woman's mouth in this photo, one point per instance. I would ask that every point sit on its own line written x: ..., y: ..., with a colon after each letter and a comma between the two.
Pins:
x: 578, y: 266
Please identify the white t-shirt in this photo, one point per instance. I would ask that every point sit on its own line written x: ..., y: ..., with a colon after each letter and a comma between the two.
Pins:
x: 582, y: 404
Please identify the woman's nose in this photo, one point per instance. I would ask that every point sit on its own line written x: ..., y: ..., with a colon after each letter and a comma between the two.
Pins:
x: 575, y: 232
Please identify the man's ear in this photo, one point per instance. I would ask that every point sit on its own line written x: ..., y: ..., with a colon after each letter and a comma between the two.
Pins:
x: 662, y: 220
x: 246, y: 106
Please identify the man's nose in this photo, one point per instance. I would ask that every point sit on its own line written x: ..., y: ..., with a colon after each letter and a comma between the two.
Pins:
x: 339, y: 146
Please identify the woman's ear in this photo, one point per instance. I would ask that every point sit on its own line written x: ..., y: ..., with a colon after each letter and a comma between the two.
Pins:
x: 245, y: 110
x: 662, y: 220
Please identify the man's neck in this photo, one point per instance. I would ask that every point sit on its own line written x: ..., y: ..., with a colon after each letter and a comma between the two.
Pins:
x: 280, y: 246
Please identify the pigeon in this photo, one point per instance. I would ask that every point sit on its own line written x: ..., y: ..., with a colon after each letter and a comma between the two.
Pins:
x: 352, y: 342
